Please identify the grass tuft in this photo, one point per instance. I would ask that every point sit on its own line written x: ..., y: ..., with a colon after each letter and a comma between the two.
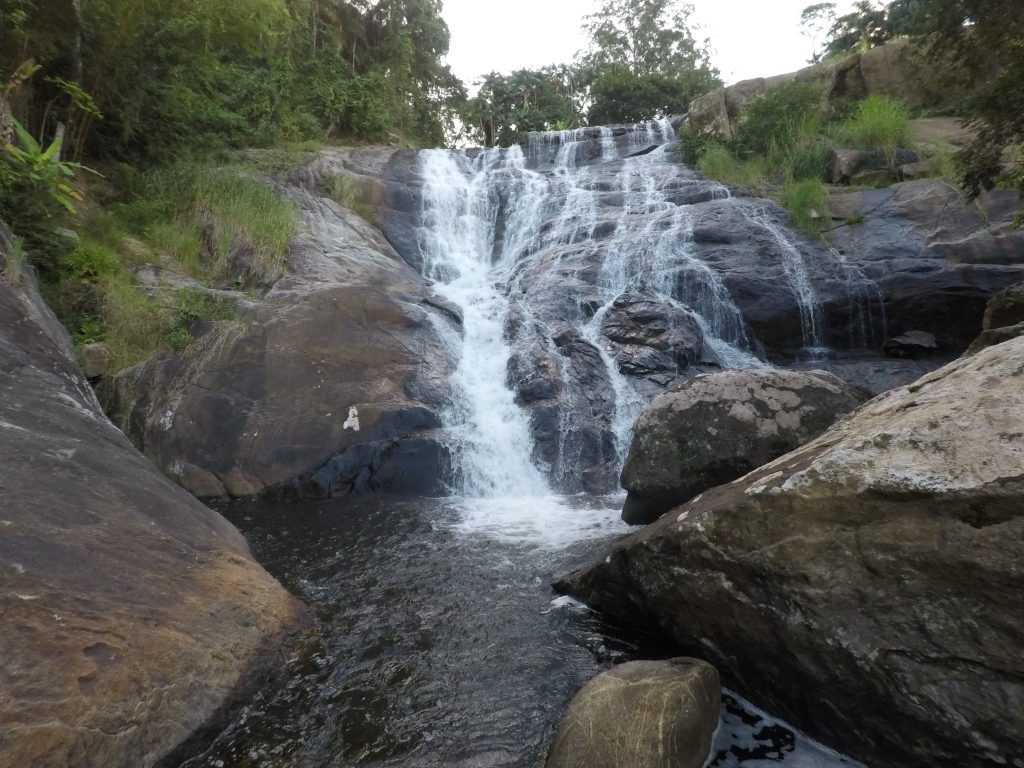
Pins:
x: 878, y: 122
x: 807, y: 203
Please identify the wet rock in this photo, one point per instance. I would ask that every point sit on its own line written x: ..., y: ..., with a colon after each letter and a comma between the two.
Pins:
x: 134, y: 616
x: 651, y: 336
x: 935, y: 260
x: 913, y: 344
x: 719, y: 426
x: 879, y: 563
x: 873, y: 375
x: 259, y: 405
x: 641, y: 714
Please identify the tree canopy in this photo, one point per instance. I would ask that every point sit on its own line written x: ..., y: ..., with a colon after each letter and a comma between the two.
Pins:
x: 643, y: 61
x: 244, y: 72
x: 509, y: 106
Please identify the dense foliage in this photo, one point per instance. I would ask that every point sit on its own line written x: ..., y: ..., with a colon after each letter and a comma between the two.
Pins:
x: 869, y: 24
x: 509, y: 106
x: 245, y: 72
x: 643, y: 62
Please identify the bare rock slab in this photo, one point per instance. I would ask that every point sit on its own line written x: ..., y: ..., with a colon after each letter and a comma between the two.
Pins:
x: 642, y: 714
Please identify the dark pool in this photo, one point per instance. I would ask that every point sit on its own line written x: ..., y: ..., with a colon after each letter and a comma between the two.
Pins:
x: 441, y: 642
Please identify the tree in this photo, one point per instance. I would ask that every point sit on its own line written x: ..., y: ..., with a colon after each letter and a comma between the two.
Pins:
x: 986, y: 40
x: 866, y: 26
x: 507, y: 107
x: 643, y: 61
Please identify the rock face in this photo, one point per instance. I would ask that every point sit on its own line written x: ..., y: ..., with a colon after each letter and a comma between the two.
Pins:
x: 132, y: 614
x: 878, y: 565
x: 935, y: 260
x: 642, y: 714
x: 1004, y: 319
x: 622, y: 273
x: 261, y: 404
x: 719, y: 426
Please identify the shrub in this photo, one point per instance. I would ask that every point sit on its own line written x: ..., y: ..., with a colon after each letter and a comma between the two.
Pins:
x: 37, y: 191
x: 809, y: 161
x: 878, y: 122
x: 779, y: 119
x: 719, y: 164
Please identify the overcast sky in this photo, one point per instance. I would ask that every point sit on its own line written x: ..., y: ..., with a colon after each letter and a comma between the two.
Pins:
x: 750, y: 38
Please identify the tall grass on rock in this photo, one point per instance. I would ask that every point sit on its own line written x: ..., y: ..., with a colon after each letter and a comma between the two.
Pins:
x: 878, y: 122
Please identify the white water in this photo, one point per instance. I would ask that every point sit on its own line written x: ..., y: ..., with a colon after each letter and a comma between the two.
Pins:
x: 457, y: 242
x: 803, y: 289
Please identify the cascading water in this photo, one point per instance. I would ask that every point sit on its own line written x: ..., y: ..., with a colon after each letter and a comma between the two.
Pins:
x: 458, y: 240
x: 537, y: 244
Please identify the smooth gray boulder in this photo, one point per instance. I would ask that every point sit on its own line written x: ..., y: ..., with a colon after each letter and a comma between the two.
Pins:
x: 719, y: 426
x: 641, y: 714
x: 878, y: 568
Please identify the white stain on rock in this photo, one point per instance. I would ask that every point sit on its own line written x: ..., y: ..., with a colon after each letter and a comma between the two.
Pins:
x: 352, y: 422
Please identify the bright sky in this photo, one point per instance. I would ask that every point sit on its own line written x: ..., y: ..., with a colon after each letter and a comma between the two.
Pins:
x: 750, y: 38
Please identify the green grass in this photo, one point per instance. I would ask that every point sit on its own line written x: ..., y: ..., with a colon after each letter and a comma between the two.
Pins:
x: 806, y: 200
x: 216, y: 224
x: 14, y: 261
x: 719, y: 164
x: 246, y: 226
x: 346, y: 194
x: 878, y: 122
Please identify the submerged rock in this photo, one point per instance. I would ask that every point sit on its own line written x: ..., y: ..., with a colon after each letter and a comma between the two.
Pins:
x: 878, y: 567
x: 718, y: 426
x: 133, y: 616
x: 641, y: 714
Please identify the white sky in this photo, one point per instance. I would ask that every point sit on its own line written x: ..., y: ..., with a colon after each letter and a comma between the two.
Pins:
x: 750, y: 38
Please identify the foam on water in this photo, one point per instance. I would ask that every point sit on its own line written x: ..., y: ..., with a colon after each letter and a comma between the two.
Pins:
x: 540, y: 522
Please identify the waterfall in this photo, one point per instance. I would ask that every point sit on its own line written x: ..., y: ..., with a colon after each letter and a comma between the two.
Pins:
x: 536, y: 244
x: 458, y: 239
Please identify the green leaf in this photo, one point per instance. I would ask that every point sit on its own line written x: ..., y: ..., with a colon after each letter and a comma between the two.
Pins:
x: 26, y: 139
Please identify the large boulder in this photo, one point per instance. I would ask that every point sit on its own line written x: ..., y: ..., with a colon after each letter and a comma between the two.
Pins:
x: 878, y: 566
x: 133, y: 616
x: 718, y: 426
x: 641, y: 714
x: 330, y: 383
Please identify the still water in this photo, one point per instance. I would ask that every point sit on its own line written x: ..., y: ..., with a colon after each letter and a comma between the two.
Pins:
x: 440, y: 640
